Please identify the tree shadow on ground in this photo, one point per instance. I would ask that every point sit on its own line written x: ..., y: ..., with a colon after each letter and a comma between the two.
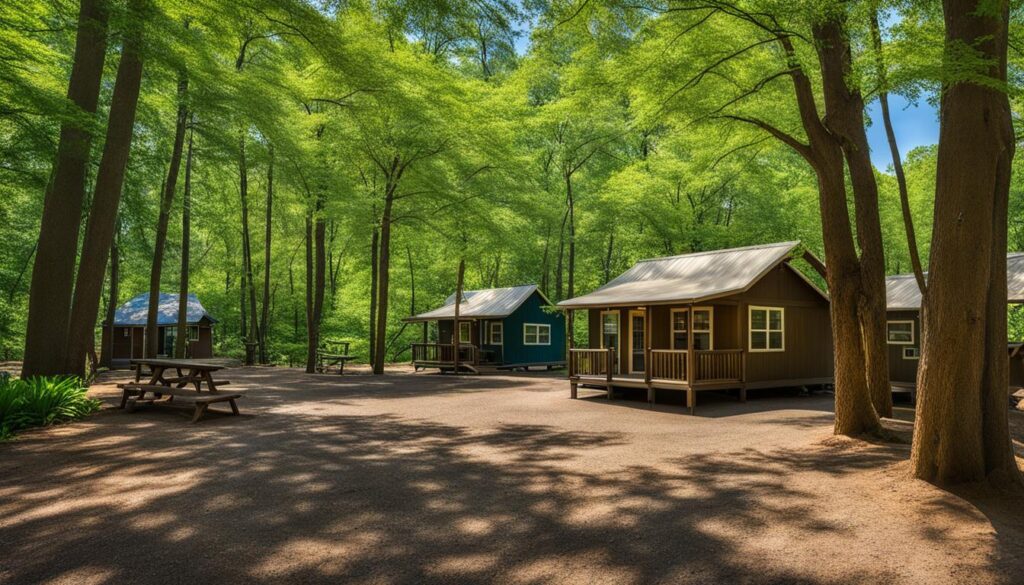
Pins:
x: 387, y: 499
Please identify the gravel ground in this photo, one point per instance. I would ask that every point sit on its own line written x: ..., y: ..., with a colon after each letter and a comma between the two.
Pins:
x: 501, y: 479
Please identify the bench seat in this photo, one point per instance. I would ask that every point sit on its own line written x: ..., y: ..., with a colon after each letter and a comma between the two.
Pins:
x: 132, y: 394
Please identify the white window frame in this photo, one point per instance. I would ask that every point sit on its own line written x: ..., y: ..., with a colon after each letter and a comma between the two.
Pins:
x: 501, y: 333
x: 767, y: 331
x: 537, y: 330
x: 469, y: 332
x: 618, y: 328
x: 710, y: 330
x: 916, y: 352
x: 193, y: 329
x: 900, y: 322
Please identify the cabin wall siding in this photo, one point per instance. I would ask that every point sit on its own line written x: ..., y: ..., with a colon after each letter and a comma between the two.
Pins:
x: 808, y: 331
x: 532, y: 311
x: 900, y: 369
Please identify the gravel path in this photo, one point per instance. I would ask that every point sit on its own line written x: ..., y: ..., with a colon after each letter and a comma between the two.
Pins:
x: 424, y: 478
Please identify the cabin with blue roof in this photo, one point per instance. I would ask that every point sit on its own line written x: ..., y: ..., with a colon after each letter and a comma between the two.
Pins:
x: 126, y: 336
x: 499, y: 329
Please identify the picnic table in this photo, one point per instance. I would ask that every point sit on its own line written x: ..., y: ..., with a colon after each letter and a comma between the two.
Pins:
x: 332, y: 353
x: 187, y: 380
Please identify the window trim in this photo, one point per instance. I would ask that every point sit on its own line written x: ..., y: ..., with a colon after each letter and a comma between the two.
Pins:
x: 767, y: 331
x: 538, y: 326
x: 900, y: 321
x: 192, y: 328
x: 490, y: 333
x: 916, y: 349
x: 469, y: 332
x: 711, y: 325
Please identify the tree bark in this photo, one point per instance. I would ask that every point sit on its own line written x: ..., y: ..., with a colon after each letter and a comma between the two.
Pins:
x: 571, y: 203
x: 50, y: 294
x: 181, y: 339
x: 845, y: 120
x: 99, y: 231
x: 312, y: 334
x: 167, y: 200
x: 254, y: 327
x: 384, y: 265
x: 961, y: 431
x: 106, y: 351
x: 374, y: 248
x: 268, y: 234
x: 456, y: 337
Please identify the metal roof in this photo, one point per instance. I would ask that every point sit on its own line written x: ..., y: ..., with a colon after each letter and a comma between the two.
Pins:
x: 489, y: 302
x: 903, y: 294
x: 687, y: 278
x: 135, y: 311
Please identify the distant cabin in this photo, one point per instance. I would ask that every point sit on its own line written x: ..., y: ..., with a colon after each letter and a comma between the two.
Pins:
x: 128, y: 331
x: 742, y: 318
x: 499, y: 328
x: 903, y: 326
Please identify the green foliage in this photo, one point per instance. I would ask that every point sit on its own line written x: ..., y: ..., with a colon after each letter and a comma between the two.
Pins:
x: 42, y: 401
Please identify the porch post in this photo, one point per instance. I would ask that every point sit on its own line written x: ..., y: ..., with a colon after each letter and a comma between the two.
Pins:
x: 647, y: 354
x: 569, y: 343
x: 691, y: 373
x: 425, y: 325
x: 458, y: 301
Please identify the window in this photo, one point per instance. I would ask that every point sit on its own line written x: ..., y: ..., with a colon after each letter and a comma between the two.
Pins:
x: 126, y: 331
x: 899, y: 332
x: 609, y: 329
x: 496, y: 333
x: 536, y: 334
x: 911, y: 353
x: 465, y: 335
x: 193, y: 334
x: 767, y: 329
x: 703, y: 337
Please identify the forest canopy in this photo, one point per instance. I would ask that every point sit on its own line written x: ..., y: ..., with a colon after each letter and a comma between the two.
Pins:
x: 549, y: 143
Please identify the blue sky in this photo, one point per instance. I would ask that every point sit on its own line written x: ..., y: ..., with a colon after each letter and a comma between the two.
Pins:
x: 914, y: 124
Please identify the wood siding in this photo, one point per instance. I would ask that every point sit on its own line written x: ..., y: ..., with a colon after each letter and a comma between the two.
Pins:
x: 903, y: 370
x: 808, y: 331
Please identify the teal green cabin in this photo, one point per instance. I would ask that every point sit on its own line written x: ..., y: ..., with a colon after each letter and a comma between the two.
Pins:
x: 498, y: 328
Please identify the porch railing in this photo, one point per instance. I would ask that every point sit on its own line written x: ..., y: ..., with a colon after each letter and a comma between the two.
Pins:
x: 443, y: 353
x: 668, y: 364
x: 719, y: 365
x: 591, y: 362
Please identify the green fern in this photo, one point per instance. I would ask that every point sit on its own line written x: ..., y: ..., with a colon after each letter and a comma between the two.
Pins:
x: 42, y: 401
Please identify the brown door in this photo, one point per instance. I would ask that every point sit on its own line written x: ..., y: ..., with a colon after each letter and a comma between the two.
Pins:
x: 138, y: 347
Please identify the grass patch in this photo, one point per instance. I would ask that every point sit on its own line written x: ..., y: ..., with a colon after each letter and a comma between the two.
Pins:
x: 41, y: 401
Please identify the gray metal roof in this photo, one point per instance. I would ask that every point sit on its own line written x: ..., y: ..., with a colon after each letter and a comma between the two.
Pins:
x: 135, y: 311
x: 687, y: 278
x: 903, y: 294
x: 489, y: 302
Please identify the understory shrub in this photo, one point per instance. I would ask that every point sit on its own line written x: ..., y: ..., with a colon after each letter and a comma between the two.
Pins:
x: 41, y: 401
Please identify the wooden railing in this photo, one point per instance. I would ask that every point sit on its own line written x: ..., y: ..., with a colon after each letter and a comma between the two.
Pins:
x: 438, y: 353
x: 668, y: 364
x: 719, y: 365
x: 591, y: 362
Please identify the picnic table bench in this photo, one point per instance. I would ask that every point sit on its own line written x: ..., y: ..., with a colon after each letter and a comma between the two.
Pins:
x: 186, y: 373
x: 332, y: 353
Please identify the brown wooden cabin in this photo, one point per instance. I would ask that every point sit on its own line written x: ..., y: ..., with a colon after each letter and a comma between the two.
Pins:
x: 903, y: 326
x: 499, y: 328
x: 127, y: 333
x: 741, y: 319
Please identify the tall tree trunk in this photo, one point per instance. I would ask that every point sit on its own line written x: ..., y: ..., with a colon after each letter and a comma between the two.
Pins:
x: 311, y: 329
x: 50, y: 294
x: 545, y: 268
x: 265, y: 315
x: 152, y: 336
x: 320, y: 232
x: 571, y: 202
x: 559, y: 290
x: 106, y: 351
x: 181, y: 339
x: 374, y: 249
x: 456, y: 337
x: 608, y: 256
x: 383, y: 270
x: 845, y: 120
x: 961, y: 430
x: 254, y: 328
x: 99, y: 231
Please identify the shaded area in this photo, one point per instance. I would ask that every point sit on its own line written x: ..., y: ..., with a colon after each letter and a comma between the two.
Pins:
x: 499, y: 479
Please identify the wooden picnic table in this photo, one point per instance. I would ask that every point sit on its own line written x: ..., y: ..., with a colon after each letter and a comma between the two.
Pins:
x: 199, y: 375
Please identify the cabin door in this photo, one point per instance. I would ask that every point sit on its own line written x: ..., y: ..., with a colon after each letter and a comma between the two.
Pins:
x: 610, y: 333
x: 138, y: 342
x: 637, y: 341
